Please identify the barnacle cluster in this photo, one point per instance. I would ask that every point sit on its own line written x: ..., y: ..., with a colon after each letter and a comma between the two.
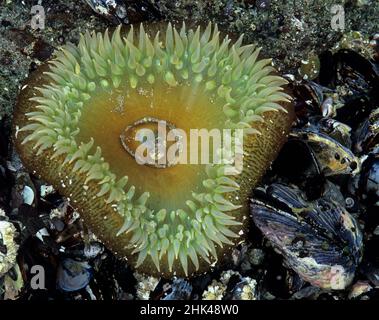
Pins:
x: 145, y: 285
x: 9, y: 250
x: 246, y: 290
x: 73, y: 112
x: 215, y: 291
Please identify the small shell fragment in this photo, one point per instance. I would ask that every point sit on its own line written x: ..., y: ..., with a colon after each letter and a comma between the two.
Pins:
x: 28, y: 195
x: 359, y: 288
x: 45, y: 190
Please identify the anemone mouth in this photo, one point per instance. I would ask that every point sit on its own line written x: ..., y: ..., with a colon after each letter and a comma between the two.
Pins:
x: 135, y: 133
x: 95, y: 95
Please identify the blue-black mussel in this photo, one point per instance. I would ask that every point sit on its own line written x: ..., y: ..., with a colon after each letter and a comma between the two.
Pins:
x: 318, y: 239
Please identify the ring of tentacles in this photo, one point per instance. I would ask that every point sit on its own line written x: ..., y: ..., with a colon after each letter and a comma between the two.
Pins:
x: 178, y: 219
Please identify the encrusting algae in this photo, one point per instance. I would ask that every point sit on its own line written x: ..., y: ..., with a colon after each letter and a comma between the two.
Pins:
x: 76, y: 117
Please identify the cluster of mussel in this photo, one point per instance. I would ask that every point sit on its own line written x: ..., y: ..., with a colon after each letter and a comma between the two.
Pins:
x: 318, y: 204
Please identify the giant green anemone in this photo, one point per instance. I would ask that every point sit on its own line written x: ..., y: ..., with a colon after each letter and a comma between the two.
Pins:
x: 76, y: 119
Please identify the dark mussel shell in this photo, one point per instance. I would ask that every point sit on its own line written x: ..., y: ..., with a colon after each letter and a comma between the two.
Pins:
x: 356, y: 81
x: 334, y: 129
x: 319, y: 240
x: 366, y: 137
x: 368, y: 182
x: 309, y: 97
x: 318, y: 151
x: 333, y: 158
x: 302, y: 169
